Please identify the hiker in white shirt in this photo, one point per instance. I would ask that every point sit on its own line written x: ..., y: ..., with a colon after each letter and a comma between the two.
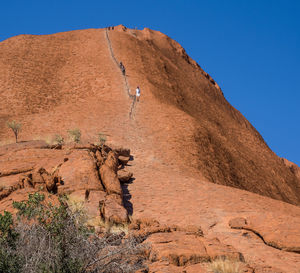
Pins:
x: 137, y: 93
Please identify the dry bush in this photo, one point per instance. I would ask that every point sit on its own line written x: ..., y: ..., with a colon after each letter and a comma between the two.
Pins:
x: 58, y: 139
x: 221, y: 265
x: 102, y: 138
x: 16, y: 128
x: 75, y: 135
x: 110, y: 253
x: 48, y: 238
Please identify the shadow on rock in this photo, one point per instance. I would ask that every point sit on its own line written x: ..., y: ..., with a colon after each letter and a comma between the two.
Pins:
x: 127, y: 196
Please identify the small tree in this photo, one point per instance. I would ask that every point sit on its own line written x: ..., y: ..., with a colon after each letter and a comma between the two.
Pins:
x: 102, y: 138
x: 75, y: 134
x: 16, y: 128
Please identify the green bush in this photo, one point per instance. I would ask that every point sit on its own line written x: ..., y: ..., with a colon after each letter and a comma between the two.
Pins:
x: 9, y: 260
x: 75, y: 134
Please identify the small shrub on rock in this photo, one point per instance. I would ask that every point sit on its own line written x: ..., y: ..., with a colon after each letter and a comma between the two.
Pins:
x: 59, y: 140
x: 16, y: 128
x: 102, y: 138
x: 75, y: 134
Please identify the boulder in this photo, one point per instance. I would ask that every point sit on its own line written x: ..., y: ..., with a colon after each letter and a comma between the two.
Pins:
x: 121, y: 151
x: 8, y: 184
x: 115, y: 198
x: 79, y: 173
x: 43, y: 177
x: 124, y: 176
x: 113, y: 211
x: 99, y: 158
x: 37, y: 178
x: 123, y: 159
x: 109, y: 177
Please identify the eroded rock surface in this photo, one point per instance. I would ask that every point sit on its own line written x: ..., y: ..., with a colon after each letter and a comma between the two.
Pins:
x: 279, y: 232
x: 86, y: 173
x: 181, y: 249
x: 183, y: 135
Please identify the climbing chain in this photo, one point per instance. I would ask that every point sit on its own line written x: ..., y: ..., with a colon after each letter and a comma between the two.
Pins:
x: 133, y: 97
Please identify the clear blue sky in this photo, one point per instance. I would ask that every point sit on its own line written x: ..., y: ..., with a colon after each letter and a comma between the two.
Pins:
x: 250, y: 47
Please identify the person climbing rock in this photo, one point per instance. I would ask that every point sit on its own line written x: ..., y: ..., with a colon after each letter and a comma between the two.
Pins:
x: 138, y: 93
x: 122, y: 67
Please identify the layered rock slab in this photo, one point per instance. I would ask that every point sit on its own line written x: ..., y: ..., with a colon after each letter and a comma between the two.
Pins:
x: 73, y: 169
x: 281, y: 232
x: 181, y: 249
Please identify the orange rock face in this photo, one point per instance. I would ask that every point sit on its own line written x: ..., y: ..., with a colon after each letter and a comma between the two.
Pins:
x: 196, y: 161
x: 72, y: 170
x: 108, y: 172
x: 57, y: 82
x: 181, y: 249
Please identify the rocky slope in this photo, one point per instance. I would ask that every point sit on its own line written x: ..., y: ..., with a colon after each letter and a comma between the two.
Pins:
x: 183, y: 135
x: 55, y: 82
x: 187, y: 222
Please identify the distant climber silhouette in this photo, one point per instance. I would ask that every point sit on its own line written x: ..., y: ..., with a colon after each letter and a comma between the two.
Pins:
x: 122, y: 67
x: 138, y: 93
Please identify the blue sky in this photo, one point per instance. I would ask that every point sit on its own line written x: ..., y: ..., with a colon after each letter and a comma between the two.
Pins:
x: 251, y: 48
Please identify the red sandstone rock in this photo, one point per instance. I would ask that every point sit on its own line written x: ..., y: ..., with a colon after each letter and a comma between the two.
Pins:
x: 14, y: 147
x: 108, y: 172
x: 238, y: 222
x: 113, y: 211
x: 183, y: 107
x: 123, y: 159
x: 41, y: 170
x: 8, y: 184
x: 183, y: 133
x: 78, y: 173
x: 181, y: 249
x: 49, y: 179
x: 90, y: 202
x: 124, y: 175
x: 282, y: 233
x: 112, y: 161
x: 114, y: 198
x: 293, y: 167
x: 100, y: 159
x: 121, y: 151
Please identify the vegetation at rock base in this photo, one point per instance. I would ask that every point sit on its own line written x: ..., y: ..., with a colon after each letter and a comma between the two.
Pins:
x: 75, y: 134
x: 222, y: 265
x: 102, y: 138
x: 16, y: 128
x: 58, y: 139
x: 55, y: 238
